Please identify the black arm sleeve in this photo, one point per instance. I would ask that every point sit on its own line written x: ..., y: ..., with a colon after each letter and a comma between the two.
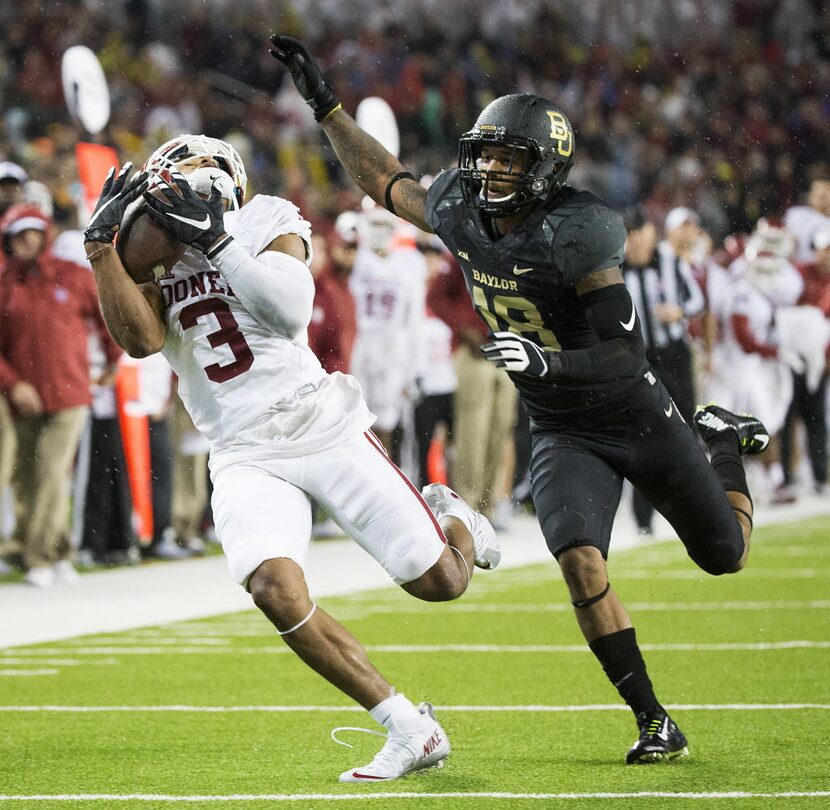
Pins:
x: 620, y: 353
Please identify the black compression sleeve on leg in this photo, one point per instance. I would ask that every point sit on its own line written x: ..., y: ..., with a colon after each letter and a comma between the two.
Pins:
x: 623, y: 663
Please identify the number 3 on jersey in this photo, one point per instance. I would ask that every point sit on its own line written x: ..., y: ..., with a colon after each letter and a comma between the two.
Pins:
x: 502, y: 310
x: 228, y: 335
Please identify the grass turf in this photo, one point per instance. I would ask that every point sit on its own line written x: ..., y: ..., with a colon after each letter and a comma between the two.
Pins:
x: 511, y: 641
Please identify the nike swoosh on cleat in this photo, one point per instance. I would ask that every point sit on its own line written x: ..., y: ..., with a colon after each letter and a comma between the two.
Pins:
x: 368, y: 776
x: 668, y: 411
x: 629, y: 325
x: 663, y: 734
x: 201, y: 224
x: 520, y: 271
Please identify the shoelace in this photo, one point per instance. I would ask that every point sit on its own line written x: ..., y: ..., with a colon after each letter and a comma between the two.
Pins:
x: 353, y: 728
x: 392, y: 748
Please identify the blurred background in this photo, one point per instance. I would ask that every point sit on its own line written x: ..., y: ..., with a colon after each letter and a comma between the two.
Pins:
x: 715, y: 104
x: 703, y: 122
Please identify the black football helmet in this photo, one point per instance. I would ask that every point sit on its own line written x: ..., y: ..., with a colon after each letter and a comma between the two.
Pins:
x: 540, y: 141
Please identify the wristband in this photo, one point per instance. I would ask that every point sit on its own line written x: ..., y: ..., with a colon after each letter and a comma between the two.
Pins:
x: 398, y: 176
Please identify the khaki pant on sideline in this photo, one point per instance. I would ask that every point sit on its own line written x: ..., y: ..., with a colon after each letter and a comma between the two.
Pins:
x: 189, y: 478
x: 46, y: 447
x: 8, y: 443
x: 484, y: 418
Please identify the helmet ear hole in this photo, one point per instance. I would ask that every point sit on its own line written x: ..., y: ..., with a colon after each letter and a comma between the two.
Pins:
x: 539, y: 185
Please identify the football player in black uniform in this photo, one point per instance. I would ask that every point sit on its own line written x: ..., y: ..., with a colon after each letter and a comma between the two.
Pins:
x: 541, y: 260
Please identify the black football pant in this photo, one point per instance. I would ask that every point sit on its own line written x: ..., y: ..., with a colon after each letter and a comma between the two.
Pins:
x: 810, y: 406
x: 107, y: 505
x: 429, y: 412
x: 577, y: 478
x: 673, y: 365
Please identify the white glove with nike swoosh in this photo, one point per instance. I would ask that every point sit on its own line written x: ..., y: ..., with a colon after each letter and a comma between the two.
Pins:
x: 515, y: 353
x: 187, y: 217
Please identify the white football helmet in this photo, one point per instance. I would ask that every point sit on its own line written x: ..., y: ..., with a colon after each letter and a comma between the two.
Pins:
x: 767, y: 252
x: 376, y: 229
x: 171, y: 154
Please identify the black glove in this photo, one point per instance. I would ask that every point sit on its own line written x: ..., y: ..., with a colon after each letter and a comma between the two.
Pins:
x: 306, y: 74
x: 515, y: 353
x: 187, y: 217
x: 116, y: 195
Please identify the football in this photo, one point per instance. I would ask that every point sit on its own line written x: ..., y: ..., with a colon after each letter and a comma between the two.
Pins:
x: 143, y: 245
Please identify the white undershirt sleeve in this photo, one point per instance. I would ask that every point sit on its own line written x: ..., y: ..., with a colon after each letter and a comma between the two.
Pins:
x: 275, y: 288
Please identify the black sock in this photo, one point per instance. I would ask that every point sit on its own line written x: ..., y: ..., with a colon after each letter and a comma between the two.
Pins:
x: 725, y: 454
x: 623, y: 664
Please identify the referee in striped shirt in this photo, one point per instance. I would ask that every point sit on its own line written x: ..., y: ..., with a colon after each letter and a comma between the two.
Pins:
x: 662, y: 285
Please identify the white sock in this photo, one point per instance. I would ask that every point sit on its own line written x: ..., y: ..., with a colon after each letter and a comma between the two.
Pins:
x: 395, y: 711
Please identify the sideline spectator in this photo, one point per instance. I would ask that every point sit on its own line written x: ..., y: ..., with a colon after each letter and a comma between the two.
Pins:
x: 104, y: 506
x: 485, y: 400
x: 660, y: 280
x: 435, y: 379
x: 803, y: 221
x: 809, y: 401
x: 12, y: 180
x: 333, y: 327
x: 46, y: 307
x: 190, y: 479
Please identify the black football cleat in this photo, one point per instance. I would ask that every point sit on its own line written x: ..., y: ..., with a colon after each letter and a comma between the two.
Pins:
x: 660, y: 739
x: 712, y: 421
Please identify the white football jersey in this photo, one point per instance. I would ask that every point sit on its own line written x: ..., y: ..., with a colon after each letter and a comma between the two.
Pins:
x: 242, y: 384
x: 388, y: 292
x: 802, y: 221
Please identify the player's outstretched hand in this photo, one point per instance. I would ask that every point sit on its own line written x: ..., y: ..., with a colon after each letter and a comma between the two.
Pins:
x: 515, y: 353
x: 186, y: 216
x: 306, y: 75
x: 116, y: 195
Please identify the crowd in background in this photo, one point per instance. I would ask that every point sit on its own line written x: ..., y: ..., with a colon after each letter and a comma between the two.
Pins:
x: 717, y: 109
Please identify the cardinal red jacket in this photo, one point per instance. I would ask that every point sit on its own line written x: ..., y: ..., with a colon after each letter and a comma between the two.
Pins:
x: 47, y: 310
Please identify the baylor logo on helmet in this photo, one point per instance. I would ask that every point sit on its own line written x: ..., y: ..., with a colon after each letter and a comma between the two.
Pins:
x: 561, y: 131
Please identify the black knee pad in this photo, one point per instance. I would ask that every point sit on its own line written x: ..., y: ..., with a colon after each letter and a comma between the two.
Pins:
x: 719, y: 558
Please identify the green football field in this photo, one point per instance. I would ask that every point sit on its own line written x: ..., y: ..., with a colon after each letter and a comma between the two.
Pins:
x: 217, y: 714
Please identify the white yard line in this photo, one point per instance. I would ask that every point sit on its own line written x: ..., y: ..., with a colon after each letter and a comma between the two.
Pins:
x: 311, y: 797
x: 223, y: 630
x: 26, y: 673
x: 588, y: 707
x: 148, y: 595
x: 197, y: 649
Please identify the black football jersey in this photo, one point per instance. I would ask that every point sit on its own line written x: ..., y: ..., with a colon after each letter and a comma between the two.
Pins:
x: 523, y: 282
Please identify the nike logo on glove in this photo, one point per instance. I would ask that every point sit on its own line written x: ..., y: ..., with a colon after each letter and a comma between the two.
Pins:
x: 99, y: 212
x: 629, y: 324
x: 670, y: 410
x: 201, y: 224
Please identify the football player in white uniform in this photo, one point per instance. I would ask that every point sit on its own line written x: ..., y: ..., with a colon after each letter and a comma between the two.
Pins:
x: 388, y: 284
x: 230, y: 314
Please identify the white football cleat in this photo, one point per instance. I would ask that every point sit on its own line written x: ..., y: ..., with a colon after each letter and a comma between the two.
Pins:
x: 41, y: 576
x: 64, y: 573
x: 408, y: 748
x: 443, y: 501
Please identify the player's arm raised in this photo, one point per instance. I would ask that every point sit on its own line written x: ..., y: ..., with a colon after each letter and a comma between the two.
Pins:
x: 376, y: 170
x: 133, y: 313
